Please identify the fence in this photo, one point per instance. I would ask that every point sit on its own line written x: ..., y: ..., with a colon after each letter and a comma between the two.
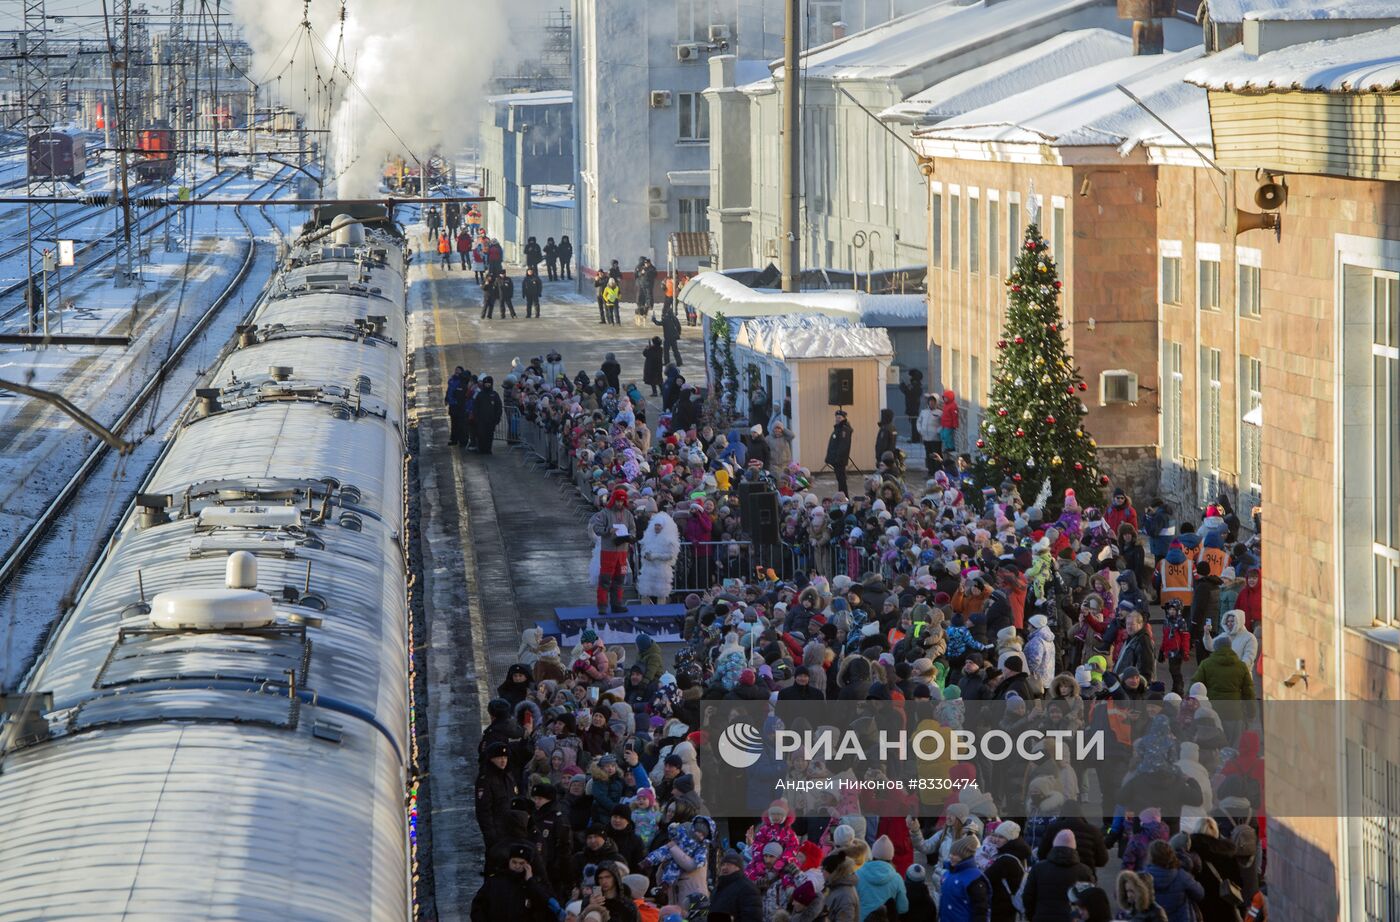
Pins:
x: 701, y: 563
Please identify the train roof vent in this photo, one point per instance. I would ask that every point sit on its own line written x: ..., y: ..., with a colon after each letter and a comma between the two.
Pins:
x: 249, y: 517
x: 238, y: 606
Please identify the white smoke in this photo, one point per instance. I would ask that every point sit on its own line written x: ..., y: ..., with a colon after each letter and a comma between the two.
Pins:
x: 425, y: 66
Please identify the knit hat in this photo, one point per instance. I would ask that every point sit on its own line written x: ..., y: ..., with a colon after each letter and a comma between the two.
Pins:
x: 963, y: 849
x: 916, y: 874
x: 805, y: 894
x: 732, y: 856
x: 1039, y: 621
x: 1198, y: 691
x: 923, y: 666
x: 883, y: 849
x: 1008, y: 830
x: 773, y: 850
x: 842, y: 836
x: 588, y: 636
x: 637, y: 885
x: 1065, y: 839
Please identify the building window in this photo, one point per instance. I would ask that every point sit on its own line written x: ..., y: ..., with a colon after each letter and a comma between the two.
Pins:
x: 694, y: 214
x: 954, y: 229
x: 1172, y: 386
x: 693, y: 20
x: 1377, y: 782
x: 955, y: 371
x: 993, y: 237
x: 821, y: 16
x: 694, y: 117
x: 1169, y: 274
x: 1208, y: 277
x: 974, y: 233
x: 1385, y: 440
x: 936, y: 231
x: 1013, y: 233
x: 1247, y: 279
x: 1208, y: 425
x: 1057, y: 231
x: 1251, y: 399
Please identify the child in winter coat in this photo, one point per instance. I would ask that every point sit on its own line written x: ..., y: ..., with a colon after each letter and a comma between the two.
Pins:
x: 775, y: 828
x: 1176, y: 643
x: 682, y: 862
x: 1149, y: 828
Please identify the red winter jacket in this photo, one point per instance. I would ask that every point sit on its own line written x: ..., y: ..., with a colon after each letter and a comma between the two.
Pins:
x: 949, y: 417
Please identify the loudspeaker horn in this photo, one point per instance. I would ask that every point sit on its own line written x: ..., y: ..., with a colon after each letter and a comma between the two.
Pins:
x: 1271, y: 196
x: 1250, y: 220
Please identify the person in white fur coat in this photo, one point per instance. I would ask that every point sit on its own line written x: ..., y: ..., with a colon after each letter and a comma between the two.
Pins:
x: 660, y: 546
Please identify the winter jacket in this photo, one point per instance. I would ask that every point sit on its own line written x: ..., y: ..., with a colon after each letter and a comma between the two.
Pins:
x: 1040, y: 656
x: 780, y: 450
x: 1117, y: 515
x: 1175, y: 891
x: 601, y: 525
x: 531, y: 286
x: 1047, y: 887
x: 495, y: 789
x: 886, y: 437
x: 651, y: 364
x: 928, y: 424
x: 1088, y: 838
x: 1225, y: 676
x: 505, y: 895
x: 1244, y: 643
x: 877, y: 882
x: 1138, y: 652
x: 736, y: 897
x: 964, y: 894
x: 1205, y: 603
x: 1217, y: 864
x: 842, y: 900
x: 948, y: 417
x: 1004, y: 876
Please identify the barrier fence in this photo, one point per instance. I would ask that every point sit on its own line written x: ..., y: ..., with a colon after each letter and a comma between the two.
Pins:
x: 701, y: 563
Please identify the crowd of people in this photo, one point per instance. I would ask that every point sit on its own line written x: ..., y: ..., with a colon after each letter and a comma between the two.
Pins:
x: 927, y: 594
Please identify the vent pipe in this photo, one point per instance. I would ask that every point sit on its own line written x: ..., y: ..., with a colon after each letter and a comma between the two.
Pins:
x: 1147, y: 15
x: 280, y: 372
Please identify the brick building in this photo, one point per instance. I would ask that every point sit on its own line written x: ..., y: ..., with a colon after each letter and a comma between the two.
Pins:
x: 1313, y: 116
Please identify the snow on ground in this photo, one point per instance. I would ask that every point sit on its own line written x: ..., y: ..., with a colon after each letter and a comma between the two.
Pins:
x: 48, y: 447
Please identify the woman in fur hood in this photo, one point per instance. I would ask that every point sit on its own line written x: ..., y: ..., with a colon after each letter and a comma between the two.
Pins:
x: 660, y: 546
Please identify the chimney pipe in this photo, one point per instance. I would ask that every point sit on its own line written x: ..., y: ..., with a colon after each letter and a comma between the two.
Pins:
x: 838, y: 30
x: 1147, y: 17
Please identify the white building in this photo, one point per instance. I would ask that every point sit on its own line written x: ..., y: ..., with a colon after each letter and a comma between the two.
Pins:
x: 643, y: 128
x: 864, y: 198
x: 527, y: 166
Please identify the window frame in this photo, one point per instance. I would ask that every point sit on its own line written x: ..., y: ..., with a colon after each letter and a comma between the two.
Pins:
x: 1385, y: 447
x: 974, y: 229
x: 693, y: 208
x: 1014, y: 229
x: 954, y: 228
x: 1208, y: 254
x: 935, y: 231
x: 993, y: 234
x: 1058, y: 229
x: 699, y: 121
x: 1169, y: 250
x: 1249, y: 264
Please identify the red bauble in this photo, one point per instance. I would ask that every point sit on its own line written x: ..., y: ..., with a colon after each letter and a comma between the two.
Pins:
x: 1051, y: 327
x: 1070, y: 389
x: 981, y: 443
x: 1050, y: 420
x: 1016, y: 477
x: 1083, y: 386
x: 1078, y: 466
x: 1030, y: 244
x: 1057, y: 286
x: 1001, y: 344
x: 1001, y: 412
x: 1020, y: 340
x: 1103, y: 480
x: 1020, y: 433
x: 1015, y: 287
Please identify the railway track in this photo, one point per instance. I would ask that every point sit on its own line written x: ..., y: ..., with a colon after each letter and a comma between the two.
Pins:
x: 211, y: 184
x: 23, y: 550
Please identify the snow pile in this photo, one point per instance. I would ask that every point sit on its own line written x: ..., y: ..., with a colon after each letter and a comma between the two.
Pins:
x: 1240, y: 10
x: 812, y: 337
x: 1369, y: 62
x: 1087, y: 109
x: 541, y: 98
x: 713, y: 293
x: 1061, y: 56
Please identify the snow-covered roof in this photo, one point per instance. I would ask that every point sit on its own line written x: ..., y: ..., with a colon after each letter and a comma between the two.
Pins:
x: 1369, y: 62
x: 715, y: 293
x: 539, y: 98
x: 812, y: 337
x: 1068, y: 53
x: 1086, y: 109
x: 1240, y: 10
x: 944, y: 28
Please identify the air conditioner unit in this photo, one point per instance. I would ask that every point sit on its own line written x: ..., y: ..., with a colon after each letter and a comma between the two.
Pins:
x: 656, y: 193
x: 688, y: 51
x: 657, y: 211
x: 719, y: 32
x: 1117, y: 386
x: 660, y: 99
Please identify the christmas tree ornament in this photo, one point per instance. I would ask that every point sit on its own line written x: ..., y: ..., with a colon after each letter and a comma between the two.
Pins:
x: 1019, y: 382
x: 1001, y: 344
x: 1044, y: 268
x: 1030, y: 462
x: 1020, y: 340
x: 1053, y: 328
x: 1068, y: 390
x: 1044, y: 379
x: 1103, y: 480
x: 1056, y: 461
x: 1001, y: 411
x: 1079, y: 433
x: 1057, y: 286
x: 1016, y: 477
x: 1093, y: 444
x: 1015, y: 287
x: 981, y: 443
x: 1078, y: 466
x: 1083, y: 386
x: 1020, y: 433
x: 1050, y: 420
x: 991, y: 430
x: 1040, y: 360
x: 1026, y: 415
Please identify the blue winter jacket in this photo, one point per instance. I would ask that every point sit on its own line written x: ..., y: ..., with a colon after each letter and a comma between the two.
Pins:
x: 1175, y: 891
x: 877, y: 882
x: 965, y: 895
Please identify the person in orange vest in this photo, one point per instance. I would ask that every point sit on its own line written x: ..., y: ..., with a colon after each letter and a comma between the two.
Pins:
x: 1175, y: 577
x: 1190, y: 542
x: 668, y: 290
x: 1213, y: 553
x: 444, y: 248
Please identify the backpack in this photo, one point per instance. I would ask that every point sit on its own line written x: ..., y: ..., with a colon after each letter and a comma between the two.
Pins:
x: 1018, y: 896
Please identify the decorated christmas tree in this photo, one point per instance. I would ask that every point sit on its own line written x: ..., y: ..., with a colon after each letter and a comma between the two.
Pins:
x: 1034, y: 426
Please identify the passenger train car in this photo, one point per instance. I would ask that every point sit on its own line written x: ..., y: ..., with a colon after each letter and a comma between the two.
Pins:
x: 228, y: 734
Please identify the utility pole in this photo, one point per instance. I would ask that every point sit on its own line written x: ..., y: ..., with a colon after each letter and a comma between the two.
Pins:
x: 792, y: 150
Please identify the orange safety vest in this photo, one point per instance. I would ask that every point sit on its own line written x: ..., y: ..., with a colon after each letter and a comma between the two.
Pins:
x: 443, y: 246
x: 1216, y: 559
x: 670, y: 288
x: 1178, y: 580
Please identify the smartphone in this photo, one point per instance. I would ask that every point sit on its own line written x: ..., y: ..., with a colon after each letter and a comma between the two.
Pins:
x: 1209, y: 623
